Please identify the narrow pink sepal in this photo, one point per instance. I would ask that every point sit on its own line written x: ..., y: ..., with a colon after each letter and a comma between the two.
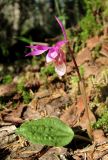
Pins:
x: 61, y: 43
x: 35, y: 53
x: 37, y: 50
x: 62, y: 28
x: 39, y: 47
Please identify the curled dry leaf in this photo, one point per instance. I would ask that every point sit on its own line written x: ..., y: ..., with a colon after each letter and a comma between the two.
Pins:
x: 7, y: 89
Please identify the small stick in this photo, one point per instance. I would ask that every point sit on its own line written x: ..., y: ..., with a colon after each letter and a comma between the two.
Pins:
x: 39, y: 154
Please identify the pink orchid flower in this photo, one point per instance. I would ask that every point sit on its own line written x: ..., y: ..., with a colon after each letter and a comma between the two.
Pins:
x: 55, y: 53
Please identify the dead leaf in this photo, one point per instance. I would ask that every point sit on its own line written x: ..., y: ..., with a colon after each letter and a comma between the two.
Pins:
x: 69, y: 68
x: 83, y: 56
x: 14, y: 116
x: 7, y: 89
x: 82, y: 115
x: 92, y: 42
x: 98, y: 136
x: 90, y: 69
x: 104, y: 50
x: 69, y: 115
x: 75, y: 115
x: 102, y: 61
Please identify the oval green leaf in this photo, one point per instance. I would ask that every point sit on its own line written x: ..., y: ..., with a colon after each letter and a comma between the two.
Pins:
x: 48, y: 131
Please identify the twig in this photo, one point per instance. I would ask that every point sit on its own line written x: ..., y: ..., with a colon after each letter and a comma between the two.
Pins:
x: 39, y: 154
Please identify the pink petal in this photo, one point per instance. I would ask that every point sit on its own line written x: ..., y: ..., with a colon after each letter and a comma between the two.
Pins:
x: 49, y: 59
x: 39, y: 47
x: 60, y: 69
x: 37, y: 50
x: 62, y: 28
x: 61, y: 43
x: 61, y: 57
x: 35, y: 53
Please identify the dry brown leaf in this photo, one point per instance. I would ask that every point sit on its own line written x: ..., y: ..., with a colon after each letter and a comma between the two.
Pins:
x: 102, y: 61
x: 82, y: 115
x: 99, y: 136
x: 70, y: 66
x: 83, y: 56
x: 101, y: 153
x: 76, y: 113
x: 90, y: 69
x: 7, y: 89
x: 92, y: 42
x: 69, y: 116
x: 14, y: 116
x: 104, y: 50
x: 92, y: 152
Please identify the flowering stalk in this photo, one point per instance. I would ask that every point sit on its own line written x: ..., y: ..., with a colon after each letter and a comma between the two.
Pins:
x: 82, y: 85
x: 56, y: 55
x: 83, y: 92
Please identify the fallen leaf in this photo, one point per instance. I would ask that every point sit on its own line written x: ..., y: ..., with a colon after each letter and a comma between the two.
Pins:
x: 82, y: 114
x: 98, y: 136
x: 104, y: 50
x: 92, y: 42
x: 90, y: 69
x: 14, y: 116
x: 102, y: 61
x: 7, y: 89
x: 83, y: 56
x: 69, y: 116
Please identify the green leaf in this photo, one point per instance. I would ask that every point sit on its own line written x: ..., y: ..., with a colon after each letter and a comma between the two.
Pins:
x: 48, y: 131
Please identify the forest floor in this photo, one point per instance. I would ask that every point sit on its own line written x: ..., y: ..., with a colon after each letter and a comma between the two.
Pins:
x: 30, y: 89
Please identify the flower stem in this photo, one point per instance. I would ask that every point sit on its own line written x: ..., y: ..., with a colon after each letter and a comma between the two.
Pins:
x: 83, y: 92
x: 82, y: 138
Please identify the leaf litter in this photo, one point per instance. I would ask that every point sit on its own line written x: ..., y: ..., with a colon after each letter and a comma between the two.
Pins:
x: 51, y: 96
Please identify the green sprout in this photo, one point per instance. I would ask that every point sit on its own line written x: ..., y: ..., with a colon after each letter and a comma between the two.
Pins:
x: 102, y: 122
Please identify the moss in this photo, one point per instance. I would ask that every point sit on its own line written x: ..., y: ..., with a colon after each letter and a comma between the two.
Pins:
x: 102, y: 122
x: 81, y: 69
x: 89, y: 26
x: 24, y: 92
x: 96, y: 52
x: 48, y: 70
x: 75, y: 79
x: 26, y: 97
x: 20, y: 86
x: 7, y: 79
